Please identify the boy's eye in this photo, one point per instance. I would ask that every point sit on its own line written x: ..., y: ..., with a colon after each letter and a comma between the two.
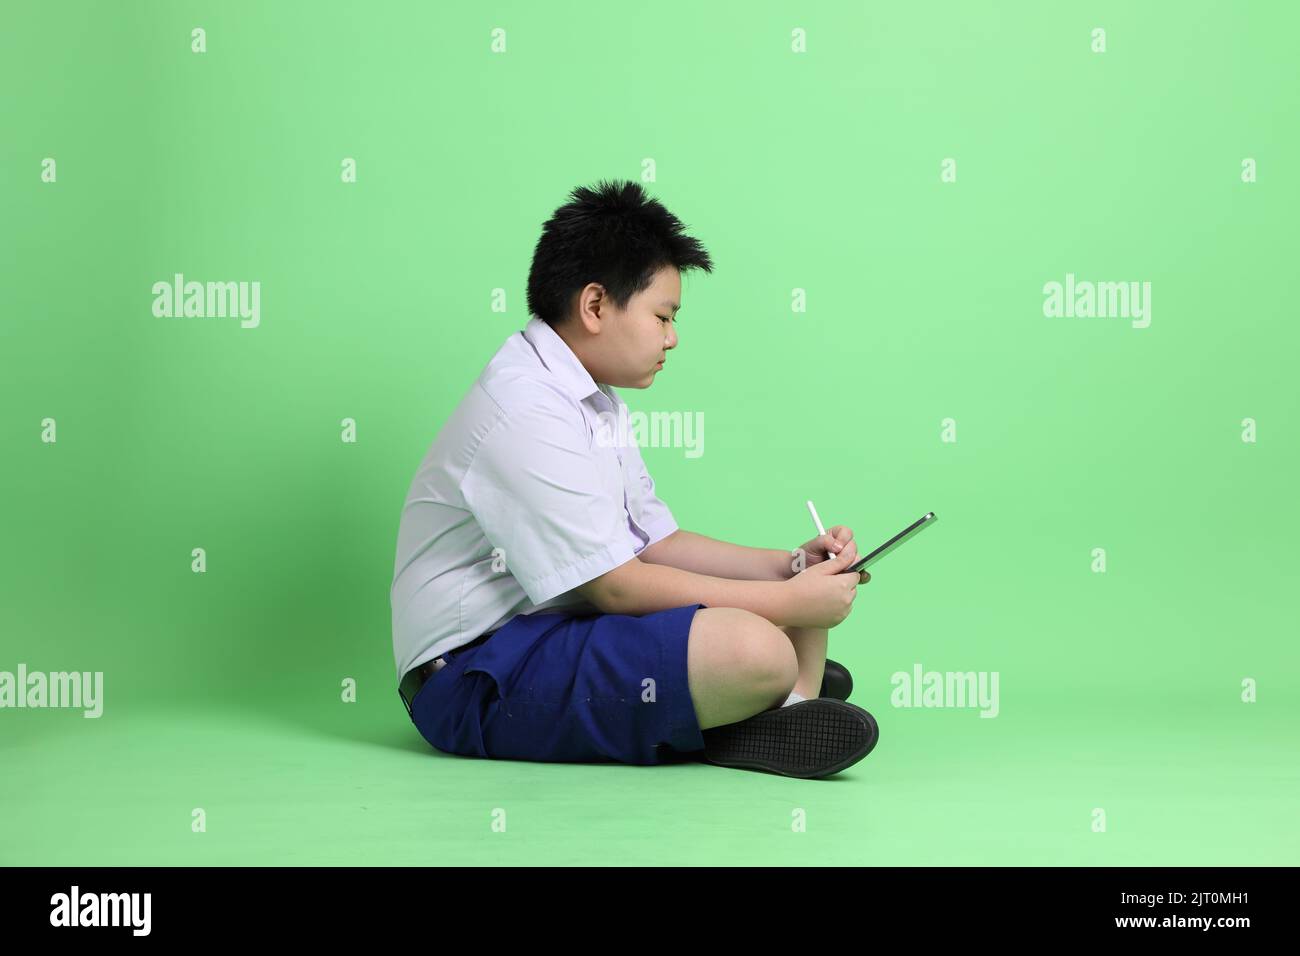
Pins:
x: 667, y: 318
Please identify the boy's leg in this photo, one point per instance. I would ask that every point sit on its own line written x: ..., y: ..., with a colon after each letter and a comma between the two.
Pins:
x: 736, y: 660
x: 738, y: 664
x: 549, y: 686
x: 555, y: 686
x: 810, y: 649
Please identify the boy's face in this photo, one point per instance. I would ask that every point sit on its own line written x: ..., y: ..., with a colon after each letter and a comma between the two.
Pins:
x: 623, y: 348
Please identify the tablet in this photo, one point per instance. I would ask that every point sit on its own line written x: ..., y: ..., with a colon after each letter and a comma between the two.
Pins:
x: 908, y: 532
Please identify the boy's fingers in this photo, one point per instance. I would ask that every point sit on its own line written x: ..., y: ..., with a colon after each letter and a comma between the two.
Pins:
x: 834, y: 563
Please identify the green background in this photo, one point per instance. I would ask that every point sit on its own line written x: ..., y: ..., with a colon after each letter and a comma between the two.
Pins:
x: 817, y: 171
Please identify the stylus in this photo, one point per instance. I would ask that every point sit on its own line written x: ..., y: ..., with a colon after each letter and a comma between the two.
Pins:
x: 820, y: 530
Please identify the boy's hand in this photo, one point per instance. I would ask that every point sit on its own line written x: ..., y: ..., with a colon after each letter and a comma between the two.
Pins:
x: 839, y: 537
x: 827, y: 545
x: 822, y: 595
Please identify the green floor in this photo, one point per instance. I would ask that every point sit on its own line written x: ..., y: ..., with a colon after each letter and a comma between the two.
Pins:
x: 359, y: 786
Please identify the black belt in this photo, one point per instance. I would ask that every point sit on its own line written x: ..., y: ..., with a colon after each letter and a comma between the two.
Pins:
x: 414, y: 679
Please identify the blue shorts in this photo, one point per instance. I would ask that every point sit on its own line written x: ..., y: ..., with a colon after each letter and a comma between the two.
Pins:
x: 553, y: 686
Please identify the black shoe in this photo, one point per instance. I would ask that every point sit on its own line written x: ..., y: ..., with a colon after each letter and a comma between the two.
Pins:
x: 837, y: 682
x: 813, y: 738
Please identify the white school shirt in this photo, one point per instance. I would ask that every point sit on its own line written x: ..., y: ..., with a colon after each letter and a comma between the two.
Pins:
x: 519, y: 466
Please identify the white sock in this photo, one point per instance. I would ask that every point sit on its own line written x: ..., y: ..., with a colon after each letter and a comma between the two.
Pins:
x: 794, y: 698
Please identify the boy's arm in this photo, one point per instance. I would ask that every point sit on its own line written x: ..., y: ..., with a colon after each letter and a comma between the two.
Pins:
x: 700, y: 554
x: 638, y: 588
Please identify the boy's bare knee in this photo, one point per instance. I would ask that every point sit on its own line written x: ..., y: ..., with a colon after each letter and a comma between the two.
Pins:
x: 738, y: 663
x: 768, y: 658
x: 745, y: 650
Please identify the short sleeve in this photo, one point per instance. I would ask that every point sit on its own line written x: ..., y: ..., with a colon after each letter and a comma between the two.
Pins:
x: 541, y: 494
x: 654, y: 516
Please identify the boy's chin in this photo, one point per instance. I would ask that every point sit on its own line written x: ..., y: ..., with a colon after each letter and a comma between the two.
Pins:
x: 645, y: 381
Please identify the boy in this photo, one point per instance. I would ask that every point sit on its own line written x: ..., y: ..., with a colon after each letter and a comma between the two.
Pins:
x: 545, y: 604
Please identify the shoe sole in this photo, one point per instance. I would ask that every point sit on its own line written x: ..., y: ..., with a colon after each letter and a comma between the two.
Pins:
x: 813, y: 738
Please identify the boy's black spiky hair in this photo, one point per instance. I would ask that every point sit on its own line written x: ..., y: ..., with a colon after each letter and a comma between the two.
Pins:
x: 613, y: 234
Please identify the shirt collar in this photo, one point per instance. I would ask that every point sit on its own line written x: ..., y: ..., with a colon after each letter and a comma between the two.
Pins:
x: 560, y: 360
